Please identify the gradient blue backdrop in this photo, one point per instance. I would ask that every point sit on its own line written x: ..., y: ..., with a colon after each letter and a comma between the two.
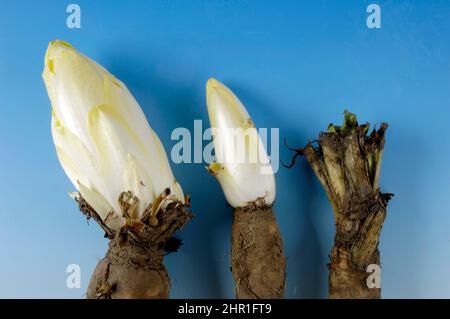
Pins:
x: 296, y: 65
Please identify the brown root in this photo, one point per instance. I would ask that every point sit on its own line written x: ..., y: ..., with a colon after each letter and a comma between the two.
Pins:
x: 347, y: 163
x: 348, y: 282
x: 257, y: 258
x: 129, y: 271
x: 133, y: 266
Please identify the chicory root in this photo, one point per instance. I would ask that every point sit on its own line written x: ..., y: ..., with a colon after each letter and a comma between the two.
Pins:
x: 347, y: 163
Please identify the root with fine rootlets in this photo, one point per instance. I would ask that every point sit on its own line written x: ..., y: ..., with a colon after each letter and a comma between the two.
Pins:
x: 347, y: 163
x: 258, y: 262
x: 133, y: 266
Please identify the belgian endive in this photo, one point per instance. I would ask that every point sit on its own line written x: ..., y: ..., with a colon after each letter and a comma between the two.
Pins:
x: 242, y: 168
x: 244, y: 172
x: 119, y: 167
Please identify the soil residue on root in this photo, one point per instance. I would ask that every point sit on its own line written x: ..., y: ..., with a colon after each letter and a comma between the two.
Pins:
x: 257, y: 258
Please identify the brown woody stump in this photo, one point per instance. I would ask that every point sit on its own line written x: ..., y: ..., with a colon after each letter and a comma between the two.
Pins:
x: 347, y: 163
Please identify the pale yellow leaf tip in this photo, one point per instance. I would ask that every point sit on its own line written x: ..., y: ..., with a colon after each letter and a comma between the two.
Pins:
x: 212, y: 83
x: 55, y: 44
x: 61, y: 43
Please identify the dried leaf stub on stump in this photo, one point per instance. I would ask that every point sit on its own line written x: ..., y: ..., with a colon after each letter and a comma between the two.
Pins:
x: 120, y: 170
x: 257, y: 259
x: 347, y: 163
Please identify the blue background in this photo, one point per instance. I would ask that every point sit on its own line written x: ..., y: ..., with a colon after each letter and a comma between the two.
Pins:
x: 296, y: 65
